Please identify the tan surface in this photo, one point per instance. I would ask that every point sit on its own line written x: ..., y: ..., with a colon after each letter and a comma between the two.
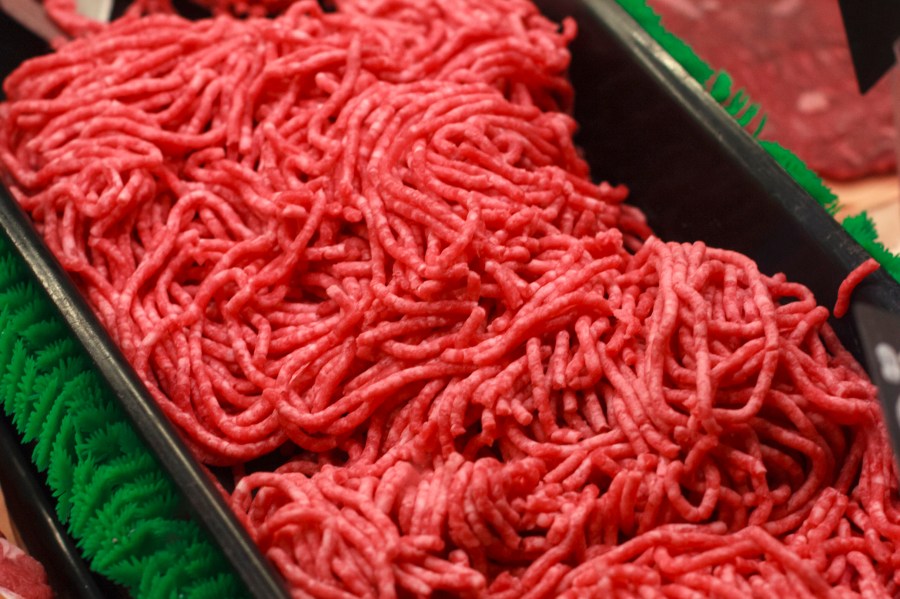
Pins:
x: 880, y: 197
x: 6, y: 527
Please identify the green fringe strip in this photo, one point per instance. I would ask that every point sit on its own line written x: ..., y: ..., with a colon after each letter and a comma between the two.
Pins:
x: 124, y: 513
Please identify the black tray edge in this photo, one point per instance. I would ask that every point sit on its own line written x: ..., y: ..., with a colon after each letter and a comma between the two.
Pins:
x: 46, y: 539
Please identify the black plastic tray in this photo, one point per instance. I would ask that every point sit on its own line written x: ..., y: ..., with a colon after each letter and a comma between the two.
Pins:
x: 644, y: 122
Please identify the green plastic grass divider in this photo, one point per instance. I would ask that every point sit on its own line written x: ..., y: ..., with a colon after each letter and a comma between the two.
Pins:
x: 125, y: 514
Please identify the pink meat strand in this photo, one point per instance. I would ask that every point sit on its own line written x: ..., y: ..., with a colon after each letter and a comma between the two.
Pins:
x: 365, y: 240
x: 845, y: 291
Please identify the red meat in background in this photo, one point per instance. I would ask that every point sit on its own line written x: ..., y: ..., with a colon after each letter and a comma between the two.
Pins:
x: 21, y: 576
x: 791, y: 56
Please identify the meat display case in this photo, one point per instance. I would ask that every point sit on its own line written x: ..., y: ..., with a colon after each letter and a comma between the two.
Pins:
x: 643, y: 122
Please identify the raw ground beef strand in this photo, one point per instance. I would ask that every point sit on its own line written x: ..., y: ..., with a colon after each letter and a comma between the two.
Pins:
x: 856, y: 276
x: 792, y: 58
x: 365, y: 240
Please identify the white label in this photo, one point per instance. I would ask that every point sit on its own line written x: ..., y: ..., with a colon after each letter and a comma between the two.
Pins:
x: 888, y: 363
x: 98, y: 10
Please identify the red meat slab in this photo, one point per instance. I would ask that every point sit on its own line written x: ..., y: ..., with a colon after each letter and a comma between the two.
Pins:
x: 792, y: 58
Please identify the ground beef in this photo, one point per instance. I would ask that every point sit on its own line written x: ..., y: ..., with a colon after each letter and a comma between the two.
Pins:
x: 364, y: 242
